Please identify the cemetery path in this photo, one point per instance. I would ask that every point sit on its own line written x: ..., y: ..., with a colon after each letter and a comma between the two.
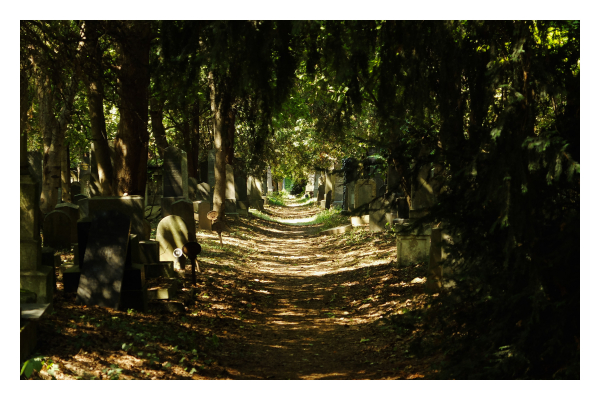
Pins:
x: 276, y: 301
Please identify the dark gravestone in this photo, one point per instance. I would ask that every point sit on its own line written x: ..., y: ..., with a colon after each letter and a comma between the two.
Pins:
x: 328, y: 200
x: 104, y: 260
x: 240, y: 180
x: 84, y: 174
x: 75, y: 190
x: 175, y: 177
x: 203, y: 192
x: 57, y: 230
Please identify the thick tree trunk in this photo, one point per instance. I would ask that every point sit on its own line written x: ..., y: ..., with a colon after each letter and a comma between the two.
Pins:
x: 131, y: 143
x: 220, y: 105
x: 158, y: 129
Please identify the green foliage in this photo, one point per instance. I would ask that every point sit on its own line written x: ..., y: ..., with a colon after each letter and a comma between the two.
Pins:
x: 276, y: 198
x: 331, y: 218
x: 114, y: 372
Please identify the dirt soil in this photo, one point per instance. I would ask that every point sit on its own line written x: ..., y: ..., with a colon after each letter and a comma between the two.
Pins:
x: 274, y: 302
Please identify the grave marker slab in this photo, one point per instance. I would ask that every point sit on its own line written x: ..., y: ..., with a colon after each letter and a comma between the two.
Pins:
x: 171, y: 233
x: 185, y: 209
x: 57, y: 230
x: 104, y: 261
x: 175, y: 173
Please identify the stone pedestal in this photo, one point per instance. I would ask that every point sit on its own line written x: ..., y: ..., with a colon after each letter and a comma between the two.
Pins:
x: 413, y: 247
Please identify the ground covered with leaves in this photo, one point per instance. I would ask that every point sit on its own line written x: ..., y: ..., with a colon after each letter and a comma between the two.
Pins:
x: 275, y: 301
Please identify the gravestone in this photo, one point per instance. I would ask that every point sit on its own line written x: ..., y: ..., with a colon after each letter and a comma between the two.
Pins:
x: 402, y: 207
x: 104, y: 260
x: 175, y: 173
x: 84, y: 207
x: 57, y: 230
x: 363, y: 193
x: 203, y: 191
x: 329, y: 182
x: 149, y: 252
x: 254, y: 193
x: 34, y: 276
x: 171, y: 233
x: 230, y: 195
x: 78, y: 197
x: 310, y: 184
x: 210, y: 171
x: 185, y: 209
x: 132, y: 206
x: 72, y: 211
x: 412, y: 247
x: 75, y: 190
x: 240, y: 181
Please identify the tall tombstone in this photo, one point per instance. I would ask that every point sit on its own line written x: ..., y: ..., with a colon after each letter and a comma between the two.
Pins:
x: 338, y: 190
x: 171, y: 233
x: 84, y: 175
x: 192, y: 188
x: 175, y: 173
x: 264, y: 184
x: 57, y: 230
x: 185, y: 209
x: 310, y: 184
x: 378, y: 210
x: 422, y: 193
x: 75, y: 190
x: 34, y: 276
x: 229, y: 182
x: 329, y: 182
x: 210, y: 168
x: 253, y: 188
x: 104, y: 260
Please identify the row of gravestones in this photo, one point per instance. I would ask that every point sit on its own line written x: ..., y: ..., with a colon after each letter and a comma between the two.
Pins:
x: 112, y: 263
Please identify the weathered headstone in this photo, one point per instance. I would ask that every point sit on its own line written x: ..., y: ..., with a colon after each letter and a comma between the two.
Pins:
x: 211, y: 158
x: 104, y: 261
x: 57, y: 230
x: 185, y: 209
x: 317, y: 183
x: 175, y: 173
x: 378, y: 211
x: 412, y: 247
x: 171, y: 233
x: 149, y: 252
x: 75, y: 190
x: 34, y: 276
x: 240, y: 181
x: 72, y: 211
x: 253, y: 186
x: 363, y: 193
x: 132, y: 206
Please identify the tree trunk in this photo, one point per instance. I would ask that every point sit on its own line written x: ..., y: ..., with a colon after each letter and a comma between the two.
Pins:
x: 131, y: 142
x: 158, y: 129
x: 92, y: 76
x: 24, y: 106
x: 65, y: 174
x: 220, y: 105
x: 195, y: 139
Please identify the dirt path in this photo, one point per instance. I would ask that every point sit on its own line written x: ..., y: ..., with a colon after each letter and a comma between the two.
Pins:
x: 275, y: 302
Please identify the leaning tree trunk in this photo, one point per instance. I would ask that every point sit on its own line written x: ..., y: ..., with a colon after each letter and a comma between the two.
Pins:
x: 65, y: 174
x: 131, y: 142
x: 220, y: 105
